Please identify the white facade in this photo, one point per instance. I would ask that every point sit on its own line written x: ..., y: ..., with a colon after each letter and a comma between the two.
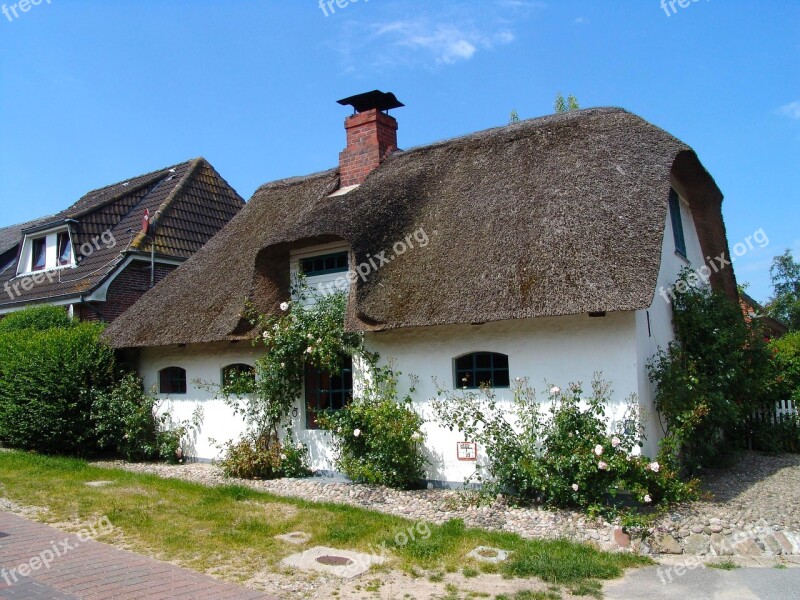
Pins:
x: 546, y: 351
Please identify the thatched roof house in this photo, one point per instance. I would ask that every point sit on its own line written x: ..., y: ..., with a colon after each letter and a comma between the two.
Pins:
x: 559, y: 215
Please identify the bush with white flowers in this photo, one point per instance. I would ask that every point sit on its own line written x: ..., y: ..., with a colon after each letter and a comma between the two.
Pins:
x: 564, y: 456
x: 378, y: 437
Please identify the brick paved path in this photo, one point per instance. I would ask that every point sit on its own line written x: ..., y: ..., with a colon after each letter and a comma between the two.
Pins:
x: 90, y: 570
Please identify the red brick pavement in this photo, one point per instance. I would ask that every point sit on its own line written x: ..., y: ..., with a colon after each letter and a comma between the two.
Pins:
x: 89, y: 570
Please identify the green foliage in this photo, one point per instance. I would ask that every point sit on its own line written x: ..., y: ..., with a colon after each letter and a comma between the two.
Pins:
x: 561, y: 105
x: 261, y: 458
x: 787, y: 358
x: 711, y: 379
x: 785, y: 306
x: 39, y: 318
x: 129, y: 423
x: 513, y: 117
x: 389, y: 449
x: 49, y: 380
x: 561, y: 457
x: 377, y: 437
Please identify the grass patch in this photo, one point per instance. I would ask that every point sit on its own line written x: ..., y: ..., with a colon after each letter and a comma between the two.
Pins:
x: 725, y: 565
x: 231, y: 529
x: 530, y: 595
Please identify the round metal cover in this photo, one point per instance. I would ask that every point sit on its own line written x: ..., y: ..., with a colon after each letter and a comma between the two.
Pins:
x: 334, y: 561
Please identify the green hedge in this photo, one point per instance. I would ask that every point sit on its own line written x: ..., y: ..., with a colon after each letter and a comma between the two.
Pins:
x: 40, y: 318
x: 48, y: 382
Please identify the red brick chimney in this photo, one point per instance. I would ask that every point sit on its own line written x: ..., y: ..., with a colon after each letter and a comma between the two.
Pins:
x: 371, y: 136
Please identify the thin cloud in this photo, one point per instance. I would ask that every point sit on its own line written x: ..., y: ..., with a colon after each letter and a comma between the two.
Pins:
x: 439, y: 38
x: 791, y: 110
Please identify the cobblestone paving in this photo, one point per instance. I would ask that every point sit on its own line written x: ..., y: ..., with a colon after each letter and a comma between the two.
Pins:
x: 753, y: 509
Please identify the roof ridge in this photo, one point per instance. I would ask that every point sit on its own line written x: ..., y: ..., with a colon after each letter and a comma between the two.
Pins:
x: 195, y: 163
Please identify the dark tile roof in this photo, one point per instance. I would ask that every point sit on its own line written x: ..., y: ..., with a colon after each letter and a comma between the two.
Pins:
x: 11, y: 235
x: 559, y: 215
x: 188, y: 204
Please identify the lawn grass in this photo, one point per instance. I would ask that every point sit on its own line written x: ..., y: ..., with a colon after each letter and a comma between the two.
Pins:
x: 207, y: 528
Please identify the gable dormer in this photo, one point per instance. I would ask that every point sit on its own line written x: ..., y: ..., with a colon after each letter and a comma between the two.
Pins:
x: 46, y: 249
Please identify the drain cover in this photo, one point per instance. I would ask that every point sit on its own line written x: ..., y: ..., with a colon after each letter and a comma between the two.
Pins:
x: 334, y: 561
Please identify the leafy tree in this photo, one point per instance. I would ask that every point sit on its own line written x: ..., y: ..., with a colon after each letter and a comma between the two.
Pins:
x: 561, y: 105
x: 785, y: 305
x: 513, y: 117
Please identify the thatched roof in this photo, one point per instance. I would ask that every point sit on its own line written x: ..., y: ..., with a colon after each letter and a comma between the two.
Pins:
x: 559, y: 215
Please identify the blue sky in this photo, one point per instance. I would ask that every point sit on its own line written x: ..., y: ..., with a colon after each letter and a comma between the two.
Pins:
x: 93, y: 92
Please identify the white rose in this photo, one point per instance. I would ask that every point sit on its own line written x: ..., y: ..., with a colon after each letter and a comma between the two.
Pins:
x: 555, y: 390
x: 654, y: 467
x: 299, y: 446
x: 602, y: 465
x: 284, y: 306
x: 356, y: 432
x: 575, y: 486
x: 598, y: 450
x: 416, y: 436
x: 283, y: 457
x: 309, y: 350
x: 615, y: 441
x: 647, y: 499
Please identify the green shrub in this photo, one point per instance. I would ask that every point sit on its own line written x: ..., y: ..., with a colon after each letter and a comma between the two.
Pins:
x: 39, y: 318
x: 49, y: 380
x: 711, y: 379
x: 258, y: 458
x: 129, y: 423
x: 787, y: 358
x: 377, y: 437
x: 566, y: 457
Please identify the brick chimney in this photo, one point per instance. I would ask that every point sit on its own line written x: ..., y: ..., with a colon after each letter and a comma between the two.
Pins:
x: 371, y: 136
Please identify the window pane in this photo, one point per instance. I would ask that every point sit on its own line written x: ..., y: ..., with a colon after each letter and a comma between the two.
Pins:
x: 482, y: 368
x: 322, y: 265
x: 39, y: 253
x: 325, y: 391
x: 172, y: 380
x: 501, y: 379
x: 483, y: 361
x: 64, y: 249
x: 677, y: 222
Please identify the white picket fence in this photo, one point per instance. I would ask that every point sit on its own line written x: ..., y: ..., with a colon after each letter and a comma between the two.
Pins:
x: 784, y: 409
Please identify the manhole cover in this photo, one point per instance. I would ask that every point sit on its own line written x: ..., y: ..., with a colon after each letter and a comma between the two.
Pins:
x: 334, y: 561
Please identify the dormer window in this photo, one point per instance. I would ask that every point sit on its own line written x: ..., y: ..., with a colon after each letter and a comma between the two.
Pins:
x: 39, y: 254
x: 64, y: 249
x: 45, y: 250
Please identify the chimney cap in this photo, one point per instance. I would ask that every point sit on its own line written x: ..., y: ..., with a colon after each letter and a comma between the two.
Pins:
x: 375, y: 99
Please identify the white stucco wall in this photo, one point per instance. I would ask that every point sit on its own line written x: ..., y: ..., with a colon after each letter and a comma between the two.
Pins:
x: 203, y: 362
x: 548, y: 351
x: 658, y: 333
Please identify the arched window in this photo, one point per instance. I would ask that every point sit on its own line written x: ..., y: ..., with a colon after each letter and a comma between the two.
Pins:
x: 481, y: 368
x: 172, y: 380
x: 233, y: 376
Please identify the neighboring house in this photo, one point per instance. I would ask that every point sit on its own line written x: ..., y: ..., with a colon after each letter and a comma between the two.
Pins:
x: 98, y: 257
x: 542, y: 250
x: 753, y: 311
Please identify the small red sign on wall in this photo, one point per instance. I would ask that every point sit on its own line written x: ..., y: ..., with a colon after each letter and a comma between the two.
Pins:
x: 467, y: 450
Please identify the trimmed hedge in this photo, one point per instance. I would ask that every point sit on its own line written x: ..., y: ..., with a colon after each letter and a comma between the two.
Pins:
x: 40, y: 318
x: 49, y: 380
